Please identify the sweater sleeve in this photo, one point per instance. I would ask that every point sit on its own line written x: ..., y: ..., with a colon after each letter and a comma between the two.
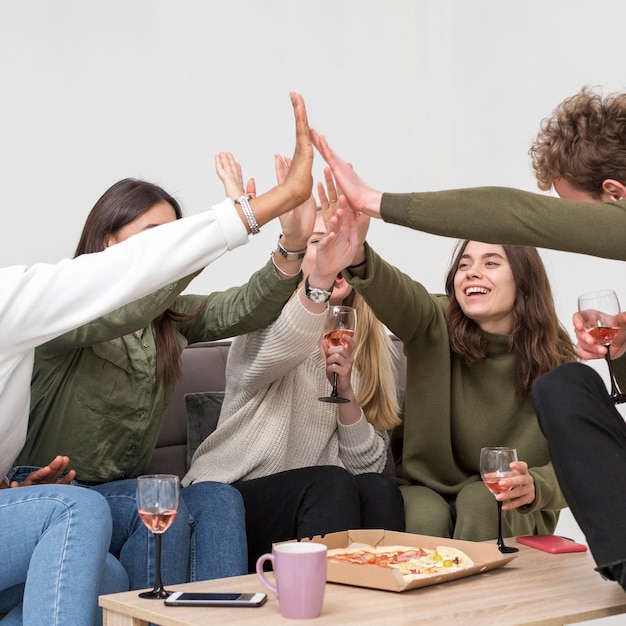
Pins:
x: 269, y: 354
x: 362, y: 448
x: 242, y: 309
x: 548, y: 495
x: 40, y: 302
x: 510, y: 216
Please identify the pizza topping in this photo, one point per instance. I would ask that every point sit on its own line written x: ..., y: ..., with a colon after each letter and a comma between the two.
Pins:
x: 411, y: 562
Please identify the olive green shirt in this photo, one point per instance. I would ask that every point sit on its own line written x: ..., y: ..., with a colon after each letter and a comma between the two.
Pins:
x: 450, y: 410
x: 94, y: 396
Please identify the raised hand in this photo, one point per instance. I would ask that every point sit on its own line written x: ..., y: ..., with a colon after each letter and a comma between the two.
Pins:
x: 230, y: 174
x: 296, y: 188
x: 360, y: 196
x: 329, y: 198
x: 297, y: 225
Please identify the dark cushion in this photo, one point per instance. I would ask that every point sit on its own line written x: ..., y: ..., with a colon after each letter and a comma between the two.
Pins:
x: 203, y: 412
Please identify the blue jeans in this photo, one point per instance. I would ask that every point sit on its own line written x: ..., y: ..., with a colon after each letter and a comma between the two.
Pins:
x: 53, y: 555
x: 206, y: 540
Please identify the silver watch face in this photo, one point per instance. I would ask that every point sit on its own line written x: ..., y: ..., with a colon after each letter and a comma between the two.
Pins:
x: 317, y: 295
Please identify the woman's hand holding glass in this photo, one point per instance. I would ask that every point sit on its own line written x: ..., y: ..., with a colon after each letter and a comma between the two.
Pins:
x: 339, y: 361
x: 519, y: 489
x: 590, y: 349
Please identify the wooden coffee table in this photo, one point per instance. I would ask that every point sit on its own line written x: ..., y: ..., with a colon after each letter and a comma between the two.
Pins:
x: 535, y: 588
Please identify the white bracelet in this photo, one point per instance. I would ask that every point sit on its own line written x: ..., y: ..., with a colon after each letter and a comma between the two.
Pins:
x: 282, y: 271
x: 242, y: 201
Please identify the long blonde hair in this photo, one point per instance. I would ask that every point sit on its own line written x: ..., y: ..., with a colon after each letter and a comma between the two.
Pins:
x: 374, y: 354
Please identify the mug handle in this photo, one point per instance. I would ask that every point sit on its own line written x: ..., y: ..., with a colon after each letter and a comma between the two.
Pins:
x: 261, y: 574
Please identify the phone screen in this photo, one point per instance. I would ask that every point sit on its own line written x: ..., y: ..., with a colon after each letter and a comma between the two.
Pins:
x: 179, y: 598
x: 207, y: 597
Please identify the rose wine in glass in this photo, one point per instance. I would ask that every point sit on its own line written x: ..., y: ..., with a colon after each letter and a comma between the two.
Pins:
x: 495, y: 464
x: 600, y: 314
x: 157, y: 504
x: 340, y: 322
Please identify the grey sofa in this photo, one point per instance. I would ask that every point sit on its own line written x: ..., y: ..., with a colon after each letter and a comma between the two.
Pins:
x: 195, y: 405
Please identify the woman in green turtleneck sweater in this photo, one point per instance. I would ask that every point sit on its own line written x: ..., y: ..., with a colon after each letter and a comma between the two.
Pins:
x: 472, y: 358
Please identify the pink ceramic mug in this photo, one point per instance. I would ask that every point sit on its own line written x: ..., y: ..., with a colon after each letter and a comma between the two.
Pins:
x: 300, y: 573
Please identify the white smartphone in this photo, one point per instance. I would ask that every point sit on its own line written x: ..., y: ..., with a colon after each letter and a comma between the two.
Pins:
x: 182, y: 598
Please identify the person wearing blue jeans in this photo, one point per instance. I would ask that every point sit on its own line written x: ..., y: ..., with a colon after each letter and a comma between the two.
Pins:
x: 206, y: 540
x: 56, y: 539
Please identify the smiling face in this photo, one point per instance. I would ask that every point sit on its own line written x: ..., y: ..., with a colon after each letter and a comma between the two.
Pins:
x: 342, y: 288
x: 485, y: 288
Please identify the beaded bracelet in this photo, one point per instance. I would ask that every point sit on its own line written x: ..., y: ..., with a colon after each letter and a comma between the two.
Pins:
x: 242, y: 201
x: 280, y: 270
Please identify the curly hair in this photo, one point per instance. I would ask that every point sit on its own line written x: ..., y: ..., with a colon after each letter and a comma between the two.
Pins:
x: 539, y: 340
x: 584, y: 141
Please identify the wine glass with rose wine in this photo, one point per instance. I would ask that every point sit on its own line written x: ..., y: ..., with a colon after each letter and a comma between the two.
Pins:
x: 495, y: 464
x: 340, y: 322
x: 157, y: 503
x: 600, y: 314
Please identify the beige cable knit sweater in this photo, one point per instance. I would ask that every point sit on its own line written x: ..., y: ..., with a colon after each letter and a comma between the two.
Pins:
x: 272, y: 420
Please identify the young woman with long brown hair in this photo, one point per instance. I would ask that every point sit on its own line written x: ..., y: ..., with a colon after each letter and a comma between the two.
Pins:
x: 473, y: 355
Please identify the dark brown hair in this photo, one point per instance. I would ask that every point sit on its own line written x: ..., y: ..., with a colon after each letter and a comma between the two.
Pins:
x: 538, y: 338
x: 119, y: 205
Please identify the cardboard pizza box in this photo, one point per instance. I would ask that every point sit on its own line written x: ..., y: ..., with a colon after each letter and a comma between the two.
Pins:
x: 486, y: 556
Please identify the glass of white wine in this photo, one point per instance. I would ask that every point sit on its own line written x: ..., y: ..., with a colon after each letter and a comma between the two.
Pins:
x: 340, y: 322
x: 157, y: 504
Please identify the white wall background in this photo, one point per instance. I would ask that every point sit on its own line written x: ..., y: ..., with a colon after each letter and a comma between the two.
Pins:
x: 418, y: 94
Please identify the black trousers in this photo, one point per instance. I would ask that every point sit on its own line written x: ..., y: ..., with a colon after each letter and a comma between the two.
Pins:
x: 314, y: 501
x: 587, y: 440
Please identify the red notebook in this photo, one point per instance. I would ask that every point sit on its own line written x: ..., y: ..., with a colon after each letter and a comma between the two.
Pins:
x: 552, y: 543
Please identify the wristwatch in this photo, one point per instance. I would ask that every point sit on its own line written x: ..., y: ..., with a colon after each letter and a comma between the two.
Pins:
x: 315, y: 294
x: 290, y: 256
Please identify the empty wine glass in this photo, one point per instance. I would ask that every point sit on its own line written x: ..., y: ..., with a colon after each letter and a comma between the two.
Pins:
x: 495, y: 464
x: 157, y: 503
x: 340, y: 322
x: 599, y: 311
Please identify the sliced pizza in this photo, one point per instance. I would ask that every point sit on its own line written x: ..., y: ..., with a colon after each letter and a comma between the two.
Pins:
x: 412, y: 562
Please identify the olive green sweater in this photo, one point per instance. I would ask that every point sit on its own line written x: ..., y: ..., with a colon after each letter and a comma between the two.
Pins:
x: 510, y: 216
x: 450, y: 410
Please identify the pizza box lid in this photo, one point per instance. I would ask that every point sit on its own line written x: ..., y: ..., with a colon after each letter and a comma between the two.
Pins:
x: 486, y: 556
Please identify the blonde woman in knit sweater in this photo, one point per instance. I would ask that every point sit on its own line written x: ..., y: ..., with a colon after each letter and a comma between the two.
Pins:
x: 306, y: 467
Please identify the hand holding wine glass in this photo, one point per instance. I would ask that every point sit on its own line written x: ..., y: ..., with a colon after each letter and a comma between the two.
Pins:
x: 340, y: 322
x: 495, y: 464
x: 599, y: 311
x: 157, y: 503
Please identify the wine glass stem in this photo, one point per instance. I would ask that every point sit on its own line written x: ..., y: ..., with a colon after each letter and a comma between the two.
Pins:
x: 615, y: 391
x: 500, y: 539
x: 158, y: 584
x: 334, y: 392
